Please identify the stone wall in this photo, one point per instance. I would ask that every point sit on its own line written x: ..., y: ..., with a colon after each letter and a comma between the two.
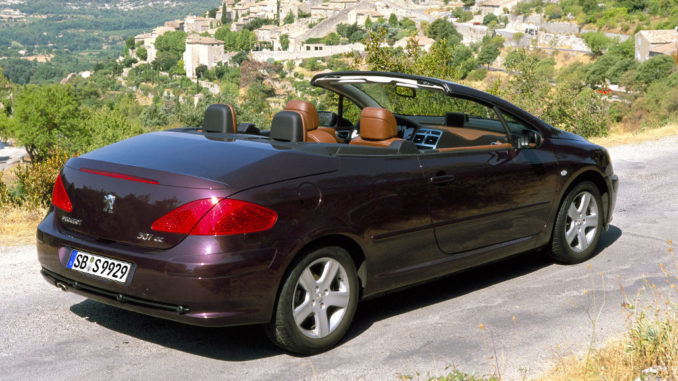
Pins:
x: 313, y: 51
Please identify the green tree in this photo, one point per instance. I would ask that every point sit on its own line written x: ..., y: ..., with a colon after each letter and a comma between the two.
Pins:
x: 172, y: 42
x: 164, y: 61
x: 469, y: 3
x: 656, y: 68
x: 529, y: 88
x: 488, y: 53
x: 553, y: 11
x: 441, y: 28
x: 142, y: 53
x: 289, y: 19
x: 129, y: 42
x: 212, y: 13
x: 284, y: 41
x: 461, y: 14
x: 224, y: 18
x: 44, y: 118
x: 393, y: 20
x: 200, y: 71
x: 596, y: 41
x: 489, y: 18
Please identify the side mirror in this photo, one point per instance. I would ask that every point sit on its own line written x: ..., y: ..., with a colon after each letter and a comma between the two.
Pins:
x: 327, y: 118
x: 528, y: 139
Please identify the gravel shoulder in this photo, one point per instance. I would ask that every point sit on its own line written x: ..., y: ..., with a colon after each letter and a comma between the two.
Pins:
x: 49, y: 334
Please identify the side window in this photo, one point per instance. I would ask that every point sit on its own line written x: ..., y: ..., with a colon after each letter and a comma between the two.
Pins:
x: 515, y: 125
x: 473, y: 115
x: 469, y: 125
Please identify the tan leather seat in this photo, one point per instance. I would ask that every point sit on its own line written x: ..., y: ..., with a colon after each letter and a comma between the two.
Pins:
x: 378, y: 128
x: 309, y: 116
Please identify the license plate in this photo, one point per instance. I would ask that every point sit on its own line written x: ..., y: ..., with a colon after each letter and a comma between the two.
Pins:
x: 100, y: 266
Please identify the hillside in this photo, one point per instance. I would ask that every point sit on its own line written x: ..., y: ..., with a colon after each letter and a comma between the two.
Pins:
x: 77, y: 34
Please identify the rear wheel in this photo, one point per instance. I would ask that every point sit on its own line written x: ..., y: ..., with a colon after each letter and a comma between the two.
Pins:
x: 317, y: 302
x: 578, y: 225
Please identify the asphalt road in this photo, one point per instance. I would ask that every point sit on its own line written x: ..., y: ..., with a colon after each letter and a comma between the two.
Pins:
x: 49, y: 334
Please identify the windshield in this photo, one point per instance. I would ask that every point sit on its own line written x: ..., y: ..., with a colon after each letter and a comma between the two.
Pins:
x: 409, y: 101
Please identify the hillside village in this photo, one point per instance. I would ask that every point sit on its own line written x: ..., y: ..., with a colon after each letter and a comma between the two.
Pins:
x: 314, y: 20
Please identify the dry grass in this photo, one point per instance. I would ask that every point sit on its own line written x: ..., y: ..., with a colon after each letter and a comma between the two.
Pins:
x: 617, y: 137
x: 648, y: 350
x: 18, y: 225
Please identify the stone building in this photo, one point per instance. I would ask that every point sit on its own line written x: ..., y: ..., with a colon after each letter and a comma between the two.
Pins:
x: 202, y: 51
x: 198, y: 25
x: 650, y: 43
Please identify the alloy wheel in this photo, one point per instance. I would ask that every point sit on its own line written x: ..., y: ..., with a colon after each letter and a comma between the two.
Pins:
x: 321, y: 298
x: 581, y: 225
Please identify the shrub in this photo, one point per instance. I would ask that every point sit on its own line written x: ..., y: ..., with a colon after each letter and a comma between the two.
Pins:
x: 35, y: 181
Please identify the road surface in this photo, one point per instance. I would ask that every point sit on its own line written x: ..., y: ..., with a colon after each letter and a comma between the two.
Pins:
x: 49, y: 334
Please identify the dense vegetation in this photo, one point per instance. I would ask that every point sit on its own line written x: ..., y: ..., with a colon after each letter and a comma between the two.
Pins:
x: 625, y: 16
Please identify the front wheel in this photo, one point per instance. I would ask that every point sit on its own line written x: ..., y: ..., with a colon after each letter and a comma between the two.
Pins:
x: 317, y: 302
x: 578, y: 225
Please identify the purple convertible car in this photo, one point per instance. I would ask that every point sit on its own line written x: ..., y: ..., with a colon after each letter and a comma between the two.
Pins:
x: 408, y: 179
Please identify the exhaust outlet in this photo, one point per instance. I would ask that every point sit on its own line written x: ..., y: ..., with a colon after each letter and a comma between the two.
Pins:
x: 61, y: 286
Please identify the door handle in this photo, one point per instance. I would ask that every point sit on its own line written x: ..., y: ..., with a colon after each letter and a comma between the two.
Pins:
x: 441, y: 180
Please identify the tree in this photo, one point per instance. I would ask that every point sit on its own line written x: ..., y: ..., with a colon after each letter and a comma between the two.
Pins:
x: 553, y: 11
x: 596, y: 41
x: 657, y: 67
x: 173, y: 43
x: 489, y: 18
x: 393, y: 20
x: 164, y: 61
x: 284, y: 41
x: 129, y: 42
x: 289, y: 19
x: 469, y: 3
x: 44, y: 118
x: 461, y: 14
x: 142, y: 53
x: 441, y: 28
x: 212, y: 13
x: 529, y: 88
x: 224, y: 18
x: 200, y: 71
x: 368, y: 23
x: 488, y: 53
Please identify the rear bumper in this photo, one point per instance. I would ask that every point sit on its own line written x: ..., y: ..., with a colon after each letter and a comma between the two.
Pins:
x: 183, y: 283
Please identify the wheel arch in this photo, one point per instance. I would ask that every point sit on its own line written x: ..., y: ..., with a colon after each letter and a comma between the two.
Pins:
x: 347, y: 243
x: 598, y: 180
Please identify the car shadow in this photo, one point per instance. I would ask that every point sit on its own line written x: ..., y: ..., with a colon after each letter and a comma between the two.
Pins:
x: 228, y: 344
x: 250, y: 343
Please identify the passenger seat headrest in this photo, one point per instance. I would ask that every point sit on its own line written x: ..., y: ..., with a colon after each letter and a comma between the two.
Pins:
x: 219, y: 118
x: 287, y: 126
x: 307, y: 111
x: 377, y: 124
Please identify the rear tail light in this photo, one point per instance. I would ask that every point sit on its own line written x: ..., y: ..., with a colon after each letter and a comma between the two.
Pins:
x: 216, y: 217
x: 60, y: 197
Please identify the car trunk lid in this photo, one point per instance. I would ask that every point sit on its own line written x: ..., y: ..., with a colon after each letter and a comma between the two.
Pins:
x: 117, y: 192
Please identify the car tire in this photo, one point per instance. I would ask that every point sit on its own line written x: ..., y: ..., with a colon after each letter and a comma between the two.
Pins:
x: 579, y: 224
x: 317, y: 302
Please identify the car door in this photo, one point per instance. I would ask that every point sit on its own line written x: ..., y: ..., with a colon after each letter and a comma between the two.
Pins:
x: 486, y: 195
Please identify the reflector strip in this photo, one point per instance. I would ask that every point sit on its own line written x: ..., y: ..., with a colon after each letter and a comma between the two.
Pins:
x: 120, y: 176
